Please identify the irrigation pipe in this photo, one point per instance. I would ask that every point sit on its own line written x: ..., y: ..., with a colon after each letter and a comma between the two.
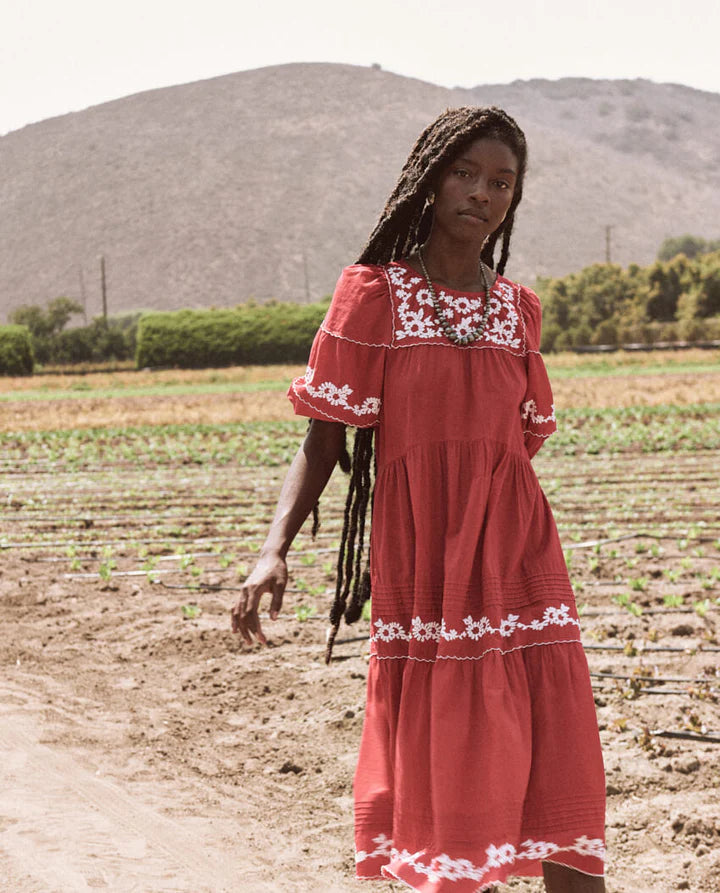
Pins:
x: 674, y: 679
x: 689, y: 736
x: 654, y: 650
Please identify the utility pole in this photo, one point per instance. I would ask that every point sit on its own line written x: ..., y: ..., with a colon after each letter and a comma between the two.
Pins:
x: 83, y: 293
x: 103, y: 286
x: 608, y: 230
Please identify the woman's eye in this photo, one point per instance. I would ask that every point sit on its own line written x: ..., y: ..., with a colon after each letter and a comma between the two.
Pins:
x: 461, y: 172
x: 503, y: 184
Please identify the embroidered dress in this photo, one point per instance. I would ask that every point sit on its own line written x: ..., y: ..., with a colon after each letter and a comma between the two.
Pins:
x: 480, y: 754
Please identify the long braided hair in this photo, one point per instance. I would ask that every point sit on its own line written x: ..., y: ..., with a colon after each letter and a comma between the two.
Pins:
x: 403, y: 226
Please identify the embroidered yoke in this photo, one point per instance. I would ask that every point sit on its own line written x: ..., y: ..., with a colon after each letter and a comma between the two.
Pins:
x: 480, y: 755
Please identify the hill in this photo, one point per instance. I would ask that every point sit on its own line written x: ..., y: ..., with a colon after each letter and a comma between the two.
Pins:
x: 264, y: 183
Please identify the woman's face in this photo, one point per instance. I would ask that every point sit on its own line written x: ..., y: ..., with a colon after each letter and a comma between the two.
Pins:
x: 475, y: 191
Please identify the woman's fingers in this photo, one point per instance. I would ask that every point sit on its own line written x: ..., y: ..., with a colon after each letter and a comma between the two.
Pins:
x: 277, y: 598
x: 244, y: 617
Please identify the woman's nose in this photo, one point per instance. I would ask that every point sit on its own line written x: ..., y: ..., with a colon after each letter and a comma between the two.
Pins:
x: 480, y: 191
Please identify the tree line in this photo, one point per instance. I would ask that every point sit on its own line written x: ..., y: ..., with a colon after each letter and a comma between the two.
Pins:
x: 675, y: 299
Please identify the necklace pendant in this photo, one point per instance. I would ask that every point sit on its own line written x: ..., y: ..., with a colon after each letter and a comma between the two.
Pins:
x: 450, y: 333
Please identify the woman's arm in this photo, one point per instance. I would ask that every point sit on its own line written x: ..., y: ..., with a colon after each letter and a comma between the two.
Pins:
x: 306, y: 479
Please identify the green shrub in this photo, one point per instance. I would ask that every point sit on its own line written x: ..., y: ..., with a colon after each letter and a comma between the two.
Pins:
x: 246, y: 335
x: 16, y: 354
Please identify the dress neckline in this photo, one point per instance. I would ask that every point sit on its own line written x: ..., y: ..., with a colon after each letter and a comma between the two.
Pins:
x: 456, y: 291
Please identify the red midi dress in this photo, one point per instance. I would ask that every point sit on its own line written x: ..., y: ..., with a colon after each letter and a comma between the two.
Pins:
x: 480, y: 754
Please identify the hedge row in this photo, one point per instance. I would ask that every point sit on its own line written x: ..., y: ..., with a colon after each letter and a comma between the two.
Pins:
x: 16, y: 353
x: 249, y: 334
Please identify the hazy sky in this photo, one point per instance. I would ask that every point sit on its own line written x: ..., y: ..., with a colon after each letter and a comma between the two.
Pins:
x: 58, y: 56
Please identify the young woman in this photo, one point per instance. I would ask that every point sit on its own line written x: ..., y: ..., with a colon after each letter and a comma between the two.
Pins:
x: 480, y: 756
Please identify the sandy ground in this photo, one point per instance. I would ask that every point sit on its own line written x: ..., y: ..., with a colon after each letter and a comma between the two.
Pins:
x: 141, y: 751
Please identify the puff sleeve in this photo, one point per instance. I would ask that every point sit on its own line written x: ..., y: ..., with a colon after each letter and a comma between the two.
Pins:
x: 343, y: 381
x: 537, y: 410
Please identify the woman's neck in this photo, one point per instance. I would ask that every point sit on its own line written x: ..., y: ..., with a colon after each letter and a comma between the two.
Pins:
x: 455, y: 266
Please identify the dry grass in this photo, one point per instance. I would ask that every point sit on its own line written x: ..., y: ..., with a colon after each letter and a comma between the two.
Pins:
x: 601, y: 391
x: 242, y: 375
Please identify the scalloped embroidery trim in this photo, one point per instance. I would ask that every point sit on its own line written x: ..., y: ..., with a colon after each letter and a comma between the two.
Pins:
x: 368, y: 424
x: 416, y: 313
x: 432, y: 660
x: 434, y: 631
x: 337, y: 395
x: 443, y: 867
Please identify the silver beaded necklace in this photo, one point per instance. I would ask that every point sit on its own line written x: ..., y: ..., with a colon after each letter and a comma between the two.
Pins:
x: 444, y: 324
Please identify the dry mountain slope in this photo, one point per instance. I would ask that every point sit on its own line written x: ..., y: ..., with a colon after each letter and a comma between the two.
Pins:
x: 265, y: 183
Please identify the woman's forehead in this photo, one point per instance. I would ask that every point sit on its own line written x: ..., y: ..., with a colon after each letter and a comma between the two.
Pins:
x: 488, y: 150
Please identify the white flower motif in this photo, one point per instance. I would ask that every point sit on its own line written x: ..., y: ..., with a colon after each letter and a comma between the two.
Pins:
x: 338, y: 395
x: 474, y: 629
x: 509, y: 624
x: 587, y: 847
x: 498, y: 856
x: 538, y: 849
x: 411, y: 294
x: 386, y: 632
x: 425, y: 632
x: 530, y: 410
x: 444, y: 867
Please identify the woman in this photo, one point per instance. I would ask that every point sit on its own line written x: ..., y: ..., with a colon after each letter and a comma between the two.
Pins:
x: 480, y: 755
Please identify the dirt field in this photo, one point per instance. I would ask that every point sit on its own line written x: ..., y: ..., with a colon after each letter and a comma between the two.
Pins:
x: 144, y: 748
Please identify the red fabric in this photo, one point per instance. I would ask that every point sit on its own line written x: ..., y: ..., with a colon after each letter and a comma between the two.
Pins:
x: 480, y: 754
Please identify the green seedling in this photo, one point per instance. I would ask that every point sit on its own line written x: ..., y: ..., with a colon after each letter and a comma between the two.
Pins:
x: 190, y: 612
x: 106, y: 568
x: 672, y: 575
x: 640, y: 547
x: 367, y: 610
x: 702, y: 607
x: 639, y: 584
x: 672, y: 600
x: 686, y: 563
x: 225, y: 561
x: 242, y: 570
x: 656, y: 550
x: 304, y: 612
x: 309, y: 559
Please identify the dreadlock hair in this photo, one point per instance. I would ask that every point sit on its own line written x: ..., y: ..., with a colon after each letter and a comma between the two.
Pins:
x: 403, y: 226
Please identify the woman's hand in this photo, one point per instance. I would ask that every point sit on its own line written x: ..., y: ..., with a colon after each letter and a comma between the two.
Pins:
x: 269, y: 575
x: 304, y: 482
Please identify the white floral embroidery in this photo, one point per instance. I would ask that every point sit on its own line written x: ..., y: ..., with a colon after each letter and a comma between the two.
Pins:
x: 530, y: 410
x: 443, y: 867
x: 417, y: 314
x: 384, y: 847
x: 338, y: 396
x: 432, y: 631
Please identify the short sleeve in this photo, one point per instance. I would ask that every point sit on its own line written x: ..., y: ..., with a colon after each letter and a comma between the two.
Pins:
x: 343, y: 381
x: 537, y: 410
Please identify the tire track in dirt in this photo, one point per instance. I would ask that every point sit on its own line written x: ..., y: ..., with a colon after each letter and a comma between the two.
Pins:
x: 72, y: 831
